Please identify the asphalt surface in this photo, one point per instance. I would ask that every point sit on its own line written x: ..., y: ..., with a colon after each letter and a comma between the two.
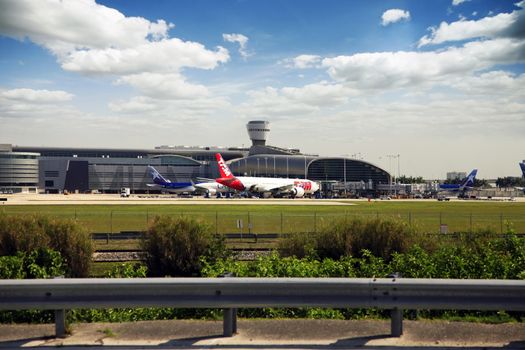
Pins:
x: 115, y: 199
x: 269, y: 334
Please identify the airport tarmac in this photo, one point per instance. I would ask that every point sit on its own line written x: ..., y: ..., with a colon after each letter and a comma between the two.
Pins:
x: 115, y: 199
x: 270, y: 334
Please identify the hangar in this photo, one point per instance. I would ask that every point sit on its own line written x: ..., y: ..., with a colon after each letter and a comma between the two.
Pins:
x: 56, y: 169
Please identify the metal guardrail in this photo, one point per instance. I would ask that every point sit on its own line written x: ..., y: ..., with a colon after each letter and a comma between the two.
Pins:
x: 229, y: 294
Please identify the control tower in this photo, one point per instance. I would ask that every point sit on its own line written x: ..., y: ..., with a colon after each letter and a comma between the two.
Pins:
x: 258, y: 131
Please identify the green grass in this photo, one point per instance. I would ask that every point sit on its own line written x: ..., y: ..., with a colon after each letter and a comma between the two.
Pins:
x: 459, y: 216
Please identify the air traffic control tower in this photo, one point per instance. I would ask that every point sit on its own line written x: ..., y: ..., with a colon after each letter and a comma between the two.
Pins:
x: 258, y: 131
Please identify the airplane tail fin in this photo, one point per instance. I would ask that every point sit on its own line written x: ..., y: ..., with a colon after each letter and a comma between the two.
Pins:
x: 522, y: 166
x: 223, y: 168
x: 157, y: 177
x: 469, y: 181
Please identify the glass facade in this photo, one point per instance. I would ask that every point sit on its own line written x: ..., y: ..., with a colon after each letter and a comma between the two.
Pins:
x: 343, y: 170
x: 18, y: 171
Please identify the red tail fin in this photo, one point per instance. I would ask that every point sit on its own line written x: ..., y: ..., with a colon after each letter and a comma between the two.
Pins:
x: 223, y: 168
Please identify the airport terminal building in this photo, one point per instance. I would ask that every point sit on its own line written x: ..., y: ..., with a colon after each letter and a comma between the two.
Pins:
x: 58, y: 169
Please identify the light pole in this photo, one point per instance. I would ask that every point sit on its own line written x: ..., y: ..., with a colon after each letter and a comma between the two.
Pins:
x: 398, y: 167
x: 390, y: 156
x: 344, y: 171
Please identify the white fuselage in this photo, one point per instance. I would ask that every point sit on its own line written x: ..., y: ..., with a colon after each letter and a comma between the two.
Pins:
x: 212, y: 187
x: 269, y: 184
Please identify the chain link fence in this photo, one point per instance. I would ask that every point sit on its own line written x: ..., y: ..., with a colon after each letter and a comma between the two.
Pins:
x: 115, y: 221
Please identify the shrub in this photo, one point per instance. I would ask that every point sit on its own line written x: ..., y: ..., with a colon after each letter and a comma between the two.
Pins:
x: 128, y: 270
x: 33, y: 232
x: 298, y: 244
x: 350, y: 237
x: 175, y: 246
x: 74, y: 244
x: 22, y: 233
x: 12, y: 267
x: 40, y: 263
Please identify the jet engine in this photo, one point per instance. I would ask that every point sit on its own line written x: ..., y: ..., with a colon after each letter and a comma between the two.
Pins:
x: 298, y: 192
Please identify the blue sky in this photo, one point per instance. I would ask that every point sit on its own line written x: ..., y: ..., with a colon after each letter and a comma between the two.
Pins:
x: 438, y: 82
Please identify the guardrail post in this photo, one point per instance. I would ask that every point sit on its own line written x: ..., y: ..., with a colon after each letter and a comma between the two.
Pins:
x: 396, y: 322
x: 229, y: 325
x: 60, y: 323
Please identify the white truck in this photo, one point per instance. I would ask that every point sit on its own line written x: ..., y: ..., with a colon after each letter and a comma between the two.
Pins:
x: 125, y: 192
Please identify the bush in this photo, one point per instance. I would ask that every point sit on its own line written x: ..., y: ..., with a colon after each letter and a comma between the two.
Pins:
x: 33, y: 232
x: 40, y: 263
x: 175, y: 246
x: 298, y: 244
x: 350, y: 237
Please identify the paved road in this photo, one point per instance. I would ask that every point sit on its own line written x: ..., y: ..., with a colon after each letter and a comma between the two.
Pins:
x: 274, y: 334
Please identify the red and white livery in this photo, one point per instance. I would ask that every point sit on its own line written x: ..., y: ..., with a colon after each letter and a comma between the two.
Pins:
x: 266, y: 186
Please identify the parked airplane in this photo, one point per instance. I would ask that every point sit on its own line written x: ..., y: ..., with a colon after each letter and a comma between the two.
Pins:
x: 264, y: 186
x: 164, y: 184
x: 466, y: 185
x: 522, y: 166
x: 212, y: 187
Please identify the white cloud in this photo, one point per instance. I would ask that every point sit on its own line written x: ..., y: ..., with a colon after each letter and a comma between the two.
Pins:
x: 319, y: 94
x: 488, y: 27
x: 238, y: 38
x: 306, y: 61
x: 384, y: 70
x: 29, y: 103
x: 394, y: 15
x: 65, y: 26
x: 303, y: 100
x: 35, y: 96
x: 174, y: 109
x: 164, y: 86
x: 168, y: 55
x: 137, y: 104
x: 457, y: 2
x: 492, y: 84
x: 89, y: 38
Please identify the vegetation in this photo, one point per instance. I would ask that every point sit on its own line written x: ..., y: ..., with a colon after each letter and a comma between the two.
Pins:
x: 40, y: 263
x: 344, y: 247
x: 175, y: 246
x: 410, y: 179
x: 510, y: 181
x: 30, y: 233
x: 428, y: 215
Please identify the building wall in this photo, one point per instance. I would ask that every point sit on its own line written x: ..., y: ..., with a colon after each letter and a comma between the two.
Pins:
x: 18, y: 172
x: 314, y: 168
x: 111, y: 174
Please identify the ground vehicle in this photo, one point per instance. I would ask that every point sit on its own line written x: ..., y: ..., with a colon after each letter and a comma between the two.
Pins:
x: 125, y: 192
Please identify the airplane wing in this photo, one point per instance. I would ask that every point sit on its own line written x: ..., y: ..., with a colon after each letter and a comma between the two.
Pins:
x: 204, y: 179
x: 271, y: 188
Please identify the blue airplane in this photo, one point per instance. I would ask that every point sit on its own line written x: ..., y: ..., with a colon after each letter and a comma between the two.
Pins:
x: 466, y: 185
x: 522, y: 166
x: 160, y: 182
